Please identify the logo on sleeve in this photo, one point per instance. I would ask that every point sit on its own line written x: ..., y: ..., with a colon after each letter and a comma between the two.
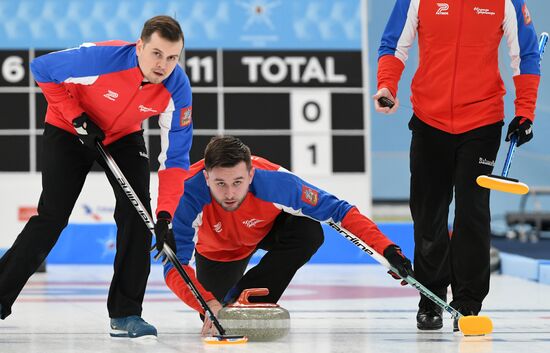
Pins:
x: 526, y: 14
x: 185, y: 117
x: 310, y: 196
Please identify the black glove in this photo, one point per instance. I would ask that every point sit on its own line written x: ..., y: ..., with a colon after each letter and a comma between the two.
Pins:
x: 163, y: 233
x: 88, y: 132
x: 398, y: 261
x: 521, y: 126
x: 385, y: 102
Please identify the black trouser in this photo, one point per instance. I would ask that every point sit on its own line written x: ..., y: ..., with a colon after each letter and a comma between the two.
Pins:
x: 439, y: 162
x: 65, y: 164
x: 290, y: 244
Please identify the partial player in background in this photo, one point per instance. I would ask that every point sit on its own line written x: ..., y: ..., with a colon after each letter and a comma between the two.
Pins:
x: 456, y: 130
x: 103, y: 92
x: 235, y: 204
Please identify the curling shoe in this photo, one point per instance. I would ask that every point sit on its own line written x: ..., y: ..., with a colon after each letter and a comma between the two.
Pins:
x: 132, y: 327
x: 429, y: 317
x: 465, y: 312
x: 4, y: 312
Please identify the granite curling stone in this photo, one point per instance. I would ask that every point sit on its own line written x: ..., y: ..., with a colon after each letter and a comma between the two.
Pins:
x: 258, y: 321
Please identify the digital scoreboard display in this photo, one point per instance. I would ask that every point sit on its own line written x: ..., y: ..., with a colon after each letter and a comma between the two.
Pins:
x: 301, y: 109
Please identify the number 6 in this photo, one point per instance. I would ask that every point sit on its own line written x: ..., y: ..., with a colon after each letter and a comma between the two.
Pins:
x: 12, y: 69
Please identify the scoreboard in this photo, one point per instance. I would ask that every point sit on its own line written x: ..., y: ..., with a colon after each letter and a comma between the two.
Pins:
x: 304, y: 110
x: 301, y: 109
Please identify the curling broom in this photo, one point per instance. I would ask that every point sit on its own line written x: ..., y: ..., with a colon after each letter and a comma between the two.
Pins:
x: 468, y: 325
x: 222, y: 338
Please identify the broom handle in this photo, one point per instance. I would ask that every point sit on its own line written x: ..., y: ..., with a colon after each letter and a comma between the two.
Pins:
x: 511, y: 150
x: 134, y: 199
x: 382, y: 260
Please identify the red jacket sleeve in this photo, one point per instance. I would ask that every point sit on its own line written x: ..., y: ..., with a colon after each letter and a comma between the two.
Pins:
x: 59, y: 98
x: 527, y: 86
x: 366, y: 230
x: 390, y: 69
x: 171, y: 184
x: 180, y: 288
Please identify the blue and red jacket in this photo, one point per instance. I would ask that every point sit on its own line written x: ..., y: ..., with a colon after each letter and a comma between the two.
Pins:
x: 104, y: 80
x: 457, y: 86
x: 224, y: 236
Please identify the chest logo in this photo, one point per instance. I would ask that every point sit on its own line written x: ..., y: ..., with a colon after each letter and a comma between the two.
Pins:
x: 217, y: 227
x: 111, y: 95
x: 443, y: 9
x: 145, y: 109
x: 250, y: 223
x: 481, y: 11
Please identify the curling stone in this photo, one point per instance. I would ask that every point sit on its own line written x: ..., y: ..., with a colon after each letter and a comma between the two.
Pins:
x: 257, y: 321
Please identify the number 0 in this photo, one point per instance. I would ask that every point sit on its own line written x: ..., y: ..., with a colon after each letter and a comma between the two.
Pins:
x: 311, y: 111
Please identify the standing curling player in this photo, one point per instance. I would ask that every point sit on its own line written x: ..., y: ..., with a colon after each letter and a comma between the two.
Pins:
x: 103, y: 92
x: 457, y: 98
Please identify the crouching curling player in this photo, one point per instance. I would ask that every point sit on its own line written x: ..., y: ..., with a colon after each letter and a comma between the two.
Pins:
x: 235, y: 204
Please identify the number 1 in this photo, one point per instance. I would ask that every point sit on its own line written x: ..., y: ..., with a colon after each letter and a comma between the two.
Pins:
x: 313, y: 153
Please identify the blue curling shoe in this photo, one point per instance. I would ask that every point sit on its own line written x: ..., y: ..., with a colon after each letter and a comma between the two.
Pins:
x: 132, y: 327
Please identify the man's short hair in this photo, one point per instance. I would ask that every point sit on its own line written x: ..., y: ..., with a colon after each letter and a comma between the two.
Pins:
x: 226, y: 152
x: 167, y: 27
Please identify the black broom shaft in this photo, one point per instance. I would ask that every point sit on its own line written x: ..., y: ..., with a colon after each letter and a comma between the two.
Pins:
x: 142, y: 211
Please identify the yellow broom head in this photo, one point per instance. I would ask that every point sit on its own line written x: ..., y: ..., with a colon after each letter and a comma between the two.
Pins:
x: 475, y: 325
x: 503, y: 184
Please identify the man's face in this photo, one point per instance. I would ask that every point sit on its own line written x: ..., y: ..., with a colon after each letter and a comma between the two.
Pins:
x: 229, y: 186
x: 158, y: 57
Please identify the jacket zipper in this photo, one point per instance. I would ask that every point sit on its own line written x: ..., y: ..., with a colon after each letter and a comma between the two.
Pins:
x: 126, y: 107
x: 459, y: 35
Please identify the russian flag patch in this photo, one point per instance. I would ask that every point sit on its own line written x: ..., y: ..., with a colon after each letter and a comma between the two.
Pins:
x: 310, y: 196
x: 185, y: 116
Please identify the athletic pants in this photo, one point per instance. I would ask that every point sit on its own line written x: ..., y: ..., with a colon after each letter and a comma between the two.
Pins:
x: 290, y: 244
x: 439, y: 163
x: 65, y: 164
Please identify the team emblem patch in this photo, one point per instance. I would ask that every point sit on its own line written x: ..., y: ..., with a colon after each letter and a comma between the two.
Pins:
x: 526, y: 14
x: 310, y: 196
x: 185, y: 117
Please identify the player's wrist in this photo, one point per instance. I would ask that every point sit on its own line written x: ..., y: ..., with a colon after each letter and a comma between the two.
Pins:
x: 164, y: 215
